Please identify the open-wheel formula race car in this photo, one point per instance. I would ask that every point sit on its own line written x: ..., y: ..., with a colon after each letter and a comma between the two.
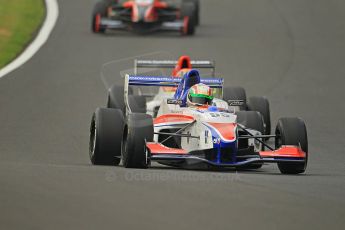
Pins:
x: 143, y: 16
x: 210, y: 135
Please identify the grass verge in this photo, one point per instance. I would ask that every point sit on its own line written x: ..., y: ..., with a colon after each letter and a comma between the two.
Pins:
x: 19, y: 22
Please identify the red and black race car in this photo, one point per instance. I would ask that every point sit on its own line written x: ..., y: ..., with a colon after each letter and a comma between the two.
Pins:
x: 144, y: 16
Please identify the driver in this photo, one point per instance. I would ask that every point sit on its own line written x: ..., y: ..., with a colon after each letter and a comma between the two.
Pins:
x: 199, y: 95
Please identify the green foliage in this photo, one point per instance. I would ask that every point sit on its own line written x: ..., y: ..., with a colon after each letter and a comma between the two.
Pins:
x: 19, y: 22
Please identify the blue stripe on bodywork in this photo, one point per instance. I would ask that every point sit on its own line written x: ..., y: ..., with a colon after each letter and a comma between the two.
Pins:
x: 222, y: 144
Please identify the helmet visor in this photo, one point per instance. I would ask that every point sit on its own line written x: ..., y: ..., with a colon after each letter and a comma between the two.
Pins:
x: 200, y: 99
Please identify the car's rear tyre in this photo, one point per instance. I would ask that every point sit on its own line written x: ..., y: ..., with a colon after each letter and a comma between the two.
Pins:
x: 105, y: 136
x: 196, y: 11
x: 251, y: 120
x: 138, y: 130
x: 137, y: 103
x: 100, y: 10
x: 261, y: 105
x: 116, y: 98
x: 292, y: 131
x: 235, y: 93
x: 188, y: 17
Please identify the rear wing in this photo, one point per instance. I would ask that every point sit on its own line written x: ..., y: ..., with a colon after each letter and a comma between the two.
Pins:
x: 168, y: 81
x: 196, y: 64
x: 163, y: 81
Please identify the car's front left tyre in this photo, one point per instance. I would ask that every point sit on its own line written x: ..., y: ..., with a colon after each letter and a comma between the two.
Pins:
x: 292, y: 131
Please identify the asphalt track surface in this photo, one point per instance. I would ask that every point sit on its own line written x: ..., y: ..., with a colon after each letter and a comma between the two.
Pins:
x: 293, y: 52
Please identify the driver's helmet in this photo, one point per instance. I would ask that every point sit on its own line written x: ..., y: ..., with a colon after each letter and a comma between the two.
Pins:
x: 199, y: 95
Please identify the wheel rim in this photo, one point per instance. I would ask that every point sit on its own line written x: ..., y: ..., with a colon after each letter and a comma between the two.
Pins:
x: 185, y: 25
x: 279, y: 142
x: 92, y: 146
x: 124, y: 149
x: 147, y: 155
x: 109, y: 11
x: 97, y: 23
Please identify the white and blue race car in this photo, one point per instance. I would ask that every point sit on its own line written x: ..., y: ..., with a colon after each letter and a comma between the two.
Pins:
x: 213, y: 136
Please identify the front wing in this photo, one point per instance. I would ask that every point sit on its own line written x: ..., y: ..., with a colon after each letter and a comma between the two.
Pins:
x: 111, y: 24
x: 159, y: 152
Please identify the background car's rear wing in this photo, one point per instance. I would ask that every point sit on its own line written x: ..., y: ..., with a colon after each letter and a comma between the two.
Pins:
x: 196, y: 64
x: 163, y: 81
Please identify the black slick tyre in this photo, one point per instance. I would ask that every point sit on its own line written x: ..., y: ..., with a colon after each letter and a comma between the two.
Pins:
x: 116, y: 98
x: 196, y: 11
x: 235, y: 93
x: 251, y: 120
x: 138, y: 130
x: 188, y: 17
x: 105, y: 136
x: 261, y: 105
x: 292, y: 131
x: 137, y: 103
x: 100, y: 10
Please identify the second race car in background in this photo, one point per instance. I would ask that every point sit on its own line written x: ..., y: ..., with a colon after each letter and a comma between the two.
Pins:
x: 145, y: 16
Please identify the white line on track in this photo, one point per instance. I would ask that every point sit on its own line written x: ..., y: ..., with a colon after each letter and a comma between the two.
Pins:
x: 43, y: 35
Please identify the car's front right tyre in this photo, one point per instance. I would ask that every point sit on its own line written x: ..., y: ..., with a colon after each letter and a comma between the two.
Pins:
x: 189, y: 20
x: 196, y: 11
x: 138, y: 130
x: 99, y: 11
x: 105, y: 136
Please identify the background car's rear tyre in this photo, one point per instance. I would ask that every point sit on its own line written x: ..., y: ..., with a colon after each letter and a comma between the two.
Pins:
x: 292, y: 131
x: 105, y: 136
x: 235, y: 93
x: 138, y: 130
x: 196, y: 11
x: 100, y: 10
x: 188, y: 16
x: 261, y: 105
x: 110, y: 2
